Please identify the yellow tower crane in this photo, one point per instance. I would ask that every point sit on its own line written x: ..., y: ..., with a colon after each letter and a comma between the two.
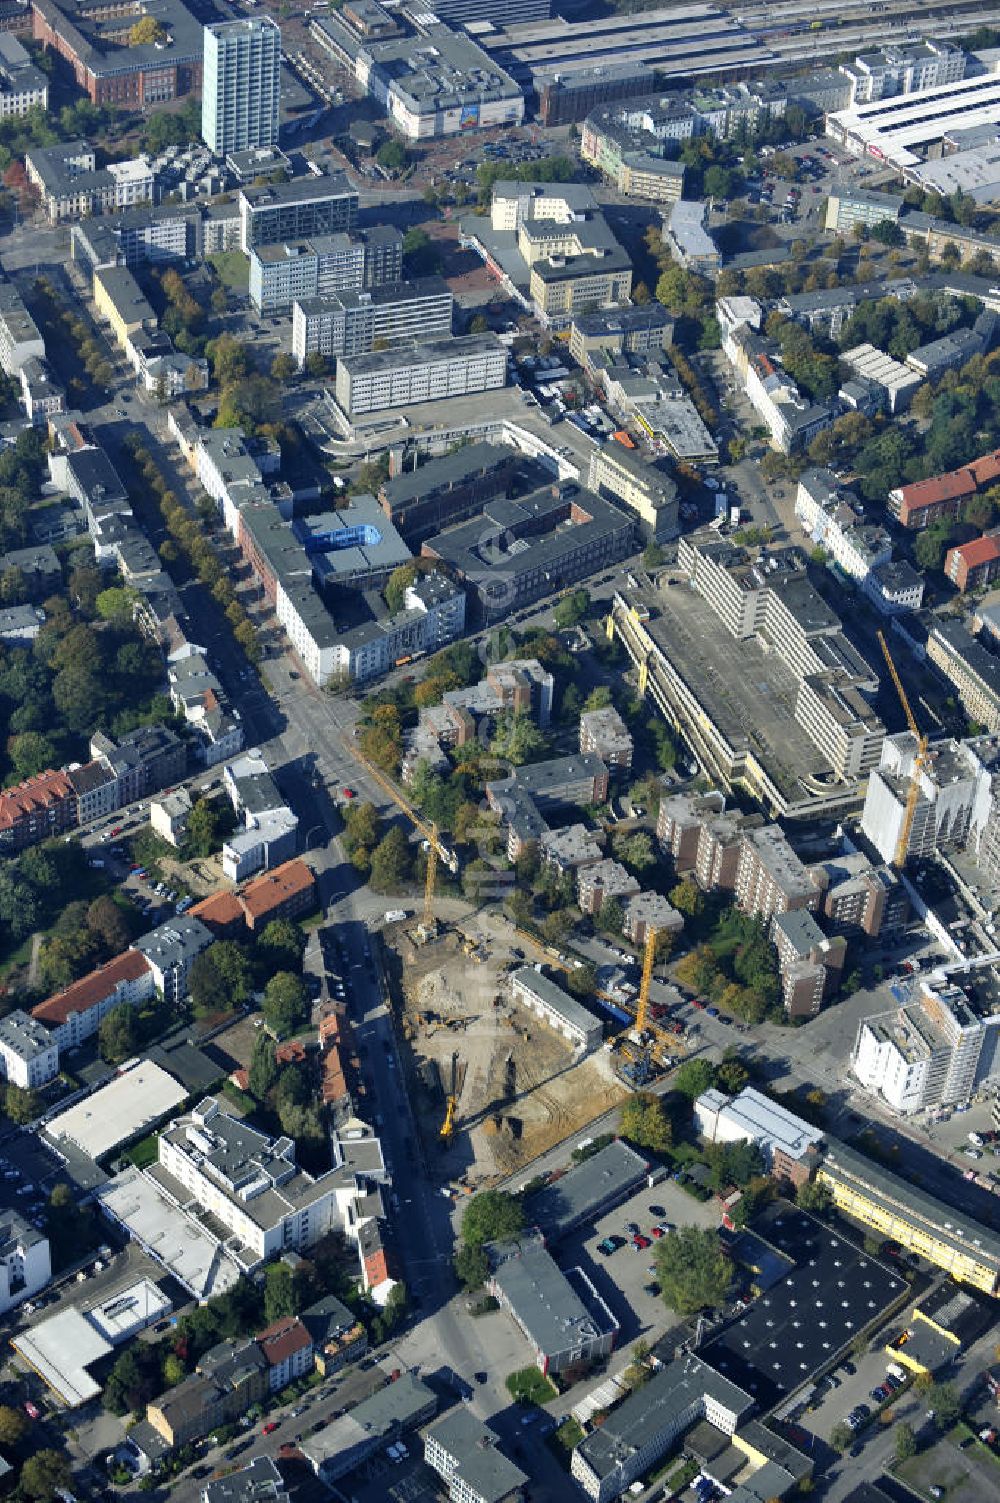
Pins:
x: 648, y: 956
x: 432, y: 860
x: 913, y: 793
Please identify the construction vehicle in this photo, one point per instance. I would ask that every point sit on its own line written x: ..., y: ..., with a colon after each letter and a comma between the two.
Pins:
x: 451, y: 1101
x: 913, y: 793
x: 436, y: 850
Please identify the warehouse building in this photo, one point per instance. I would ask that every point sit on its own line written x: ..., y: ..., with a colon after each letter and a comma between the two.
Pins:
x: 542, y: 996
x: 897, y: 130
x: 830, y: 1294
x: 587, y: 1191
x: 561, y: 1314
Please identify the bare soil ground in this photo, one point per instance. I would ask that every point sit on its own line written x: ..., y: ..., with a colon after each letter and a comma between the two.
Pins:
x: 522, y: 1090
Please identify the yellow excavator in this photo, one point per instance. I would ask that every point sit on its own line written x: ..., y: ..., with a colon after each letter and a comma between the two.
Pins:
x: 451, y: 1108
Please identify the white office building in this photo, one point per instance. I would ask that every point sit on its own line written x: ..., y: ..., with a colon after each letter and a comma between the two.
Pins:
x: 241, y: 85
x: 955, y: 799
x: 29, y: 1055
x: 25, y: 1265
x: 937, y: 1051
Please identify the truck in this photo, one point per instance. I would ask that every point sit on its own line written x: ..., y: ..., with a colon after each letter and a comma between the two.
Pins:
x: 395, y: 915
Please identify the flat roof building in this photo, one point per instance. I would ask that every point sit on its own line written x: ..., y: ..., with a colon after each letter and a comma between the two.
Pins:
x: 414, y: 373
x: 536, y: 991
x: 465, y: 1454
x: 130, y: 1104
x: 897, y: 1208
x: 387, y: 1414
x: 587, y: 1191
x: 786, y: 1141
x: 636, y: 1434
x: 561, y: 1314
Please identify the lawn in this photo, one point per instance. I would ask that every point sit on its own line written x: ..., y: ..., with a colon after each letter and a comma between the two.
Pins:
x: 145, y: 1152
x: 530, y: 1386
x: 233, y: 269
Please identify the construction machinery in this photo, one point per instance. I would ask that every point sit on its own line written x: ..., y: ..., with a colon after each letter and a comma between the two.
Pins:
x: 436, y: 850
x: 913, y: 792
x: 451, y: 1101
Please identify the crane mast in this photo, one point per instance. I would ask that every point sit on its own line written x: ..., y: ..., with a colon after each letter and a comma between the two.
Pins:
x: 913, y: 792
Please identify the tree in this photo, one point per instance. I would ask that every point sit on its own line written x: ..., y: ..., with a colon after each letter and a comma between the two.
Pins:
x: 283, y: 366
x: 492, y: 1216
x: 263, y: 1071
x: 392, y: 156
x: 943, y: 1399
x: 635, y: 850
x: 517, y: 739
x: 644, y: 1121
x: 279, y: 1292
x: 12, y: 1425
x: 688, y: 898
x: 116, y: 605
x: 693, y: 1078
x: 20, y: 1105
x: 146, y: 32
x: 286, y: 1003
x: 118, y: 1035
x: 209, y: 993
x: 692, y: 1270
x: 316, y: 365
x: 841, y: 1437
x: 571, y: 609
x: 202, y: 828
x: 611, y: 916
x: 42, y: 1473
x: 174, y: 1370
x: 391, y: 862
x: 109, y: 925
x: 930, y: 546
x: 906, y: 1442
x: 30, y: 753
x: 281, y: 945
x: 471, y: 1265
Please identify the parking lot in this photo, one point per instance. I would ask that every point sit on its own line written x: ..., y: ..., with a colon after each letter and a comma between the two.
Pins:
x: 622, y: 1277
x: 853, y: 1389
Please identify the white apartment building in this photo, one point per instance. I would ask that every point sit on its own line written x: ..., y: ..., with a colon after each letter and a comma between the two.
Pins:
x: 25, y: 1264
x: 241, y: 87
x: 75, y: 1013
x: 23, y: 87
x: 170, y: 951
x: 835, y: 519
x: 29, y: 1055
x: 463, y: 1451
x: 354, y: 323
x: 903, y: 70
x: 414, y: 373
x: 937, y: 1051
x: 20, y: 340
x: 955, y: 800
x: 250, y: 1183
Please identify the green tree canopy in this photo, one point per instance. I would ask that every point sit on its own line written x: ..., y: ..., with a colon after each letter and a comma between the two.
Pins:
x: 118, y: 1035
x: 693, y: 1271
x: 286, y: 1003
x: 693, y: 1078
x: 263, y: 1070
x: 644, y: 1121
x: 492, y: 1216
x: 391, y: 862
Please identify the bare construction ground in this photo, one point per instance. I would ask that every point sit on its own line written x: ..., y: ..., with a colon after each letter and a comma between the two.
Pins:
x: 520, y: 1088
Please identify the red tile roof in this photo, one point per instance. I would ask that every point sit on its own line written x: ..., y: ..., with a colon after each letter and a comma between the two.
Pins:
x: 220, y: 911
x: 33, y: 796
x: 978, y: 551
x: 282, y: 1339
x: 90, y: 990
x: 267, y: 893
x: 950, y: 487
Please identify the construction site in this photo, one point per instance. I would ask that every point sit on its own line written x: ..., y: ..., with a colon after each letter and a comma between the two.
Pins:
x: 504, y: 1085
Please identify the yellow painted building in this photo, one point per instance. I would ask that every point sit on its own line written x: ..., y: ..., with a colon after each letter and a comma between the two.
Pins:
x: 895, y: 1209
x: 121, y: 303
